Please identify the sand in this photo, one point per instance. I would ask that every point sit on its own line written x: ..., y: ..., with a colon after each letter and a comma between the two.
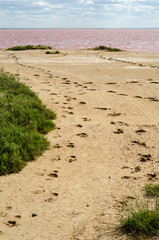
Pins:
x: 102, y: 153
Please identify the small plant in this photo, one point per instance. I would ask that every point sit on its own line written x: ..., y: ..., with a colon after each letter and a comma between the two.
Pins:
x: 48, y: 52
x: 150, y: 79
x: 29, y: 47
x: 152, y: 190
x: 56, y: 52
x: 107, y: 49
x: 142, y: 220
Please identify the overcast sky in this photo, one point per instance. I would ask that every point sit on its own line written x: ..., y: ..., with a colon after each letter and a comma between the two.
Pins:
x: 79, y: 14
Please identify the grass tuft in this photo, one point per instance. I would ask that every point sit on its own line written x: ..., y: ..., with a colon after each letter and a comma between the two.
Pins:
x: 152, y: 190
x: 29, y: 47
x: 49, y: 52
x: 143, y: 221
x: 107, y: 49
x: 23, y: 121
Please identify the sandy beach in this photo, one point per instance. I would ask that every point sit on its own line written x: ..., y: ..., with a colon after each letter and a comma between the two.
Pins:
x: 102, y: 153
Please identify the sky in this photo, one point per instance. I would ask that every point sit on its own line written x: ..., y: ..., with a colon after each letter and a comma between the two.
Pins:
x: 79, y: 14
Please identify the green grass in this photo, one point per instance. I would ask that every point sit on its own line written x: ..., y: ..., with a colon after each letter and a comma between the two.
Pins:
x: 142, y: 221
x: 152, y: 190
x: 29, y: 47
x: 107, y: 49
x: 23, y: 122
x: 49, y: 52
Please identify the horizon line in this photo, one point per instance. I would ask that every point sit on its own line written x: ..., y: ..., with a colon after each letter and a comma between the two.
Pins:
x: 80, y: 28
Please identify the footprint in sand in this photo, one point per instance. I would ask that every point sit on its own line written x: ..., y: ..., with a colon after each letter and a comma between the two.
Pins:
x: 71, y: 145
x: 86, y: 119
x: 122, y: 94
x: 72, y: 159
x: 57, y: 146
x: 82, y: 135
x: 102, y: 108
x: 114, y: 114
x: 145, y: 157
x: 155, y: 82
x: 111, y: 91
x: 82, y: 103
x: 153, y: 99
x: 137, y: 169
x: 79, y: 125
x: 137, y: 97
x: 11, y: 223
x: 70, y: 113
x: 140, y: 131
x: 151, y: 176
x: 119, y: 131
x: 142, y: 144
x: 111, y: 83
x: 53, y: 174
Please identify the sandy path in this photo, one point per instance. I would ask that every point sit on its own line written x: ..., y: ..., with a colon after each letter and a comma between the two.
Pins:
x: 98, y: 158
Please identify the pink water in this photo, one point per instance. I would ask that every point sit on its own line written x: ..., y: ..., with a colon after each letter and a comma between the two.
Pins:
x: 126, y: 39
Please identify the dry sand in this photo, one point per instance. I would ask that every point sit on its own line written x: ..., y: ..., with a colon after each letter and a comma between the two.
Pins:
x: 99, y: 157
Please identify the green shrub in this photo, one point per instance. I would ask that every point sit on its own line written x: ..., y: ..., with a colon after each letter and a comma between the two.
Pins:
x: 23, y: 120
x: 143, y: 220
x: 56, y: 52
x: 107, y: 49
x: 48, y: 52
x: 152, y: 190
x: 29, y: 47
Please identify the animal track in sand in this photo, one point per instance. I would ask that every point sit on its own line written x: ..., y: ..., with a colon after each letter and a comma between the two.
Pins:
x: 57, y: 146
x: 45, y: 82
x: 82, y: 103
x: 137, y: 97
x: 155, y: 82
x: 133, y: 82
x: 114, y: 114
x: 82, y: 135
x: 102, y: 108
x: 122, y: 94
x: 72, y: 159
x: 152, y: 99
x: 110, y: 91
x: 111, y: 83
x: 145, y: 157
x: 71, y: 145
x: 70, y: 113
x: 120, y: 123
x: 119, y: 131
x: 53, y: 93
x: 11, y: 223
x: 151, y: 176
x: 53, y: 174
x: 140, y: 131
x: 137, y: 169
x: 79, y: 125
x: 128, y: 177
x: 91, y: 89
x: 142, y: 144
x: 86, y: 119
x: 88, y: 82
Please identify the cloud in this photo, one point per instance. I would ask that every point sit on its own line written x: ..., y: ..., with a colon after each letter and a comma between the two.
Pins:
x: 74, y: 13
x: 46, y: 4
